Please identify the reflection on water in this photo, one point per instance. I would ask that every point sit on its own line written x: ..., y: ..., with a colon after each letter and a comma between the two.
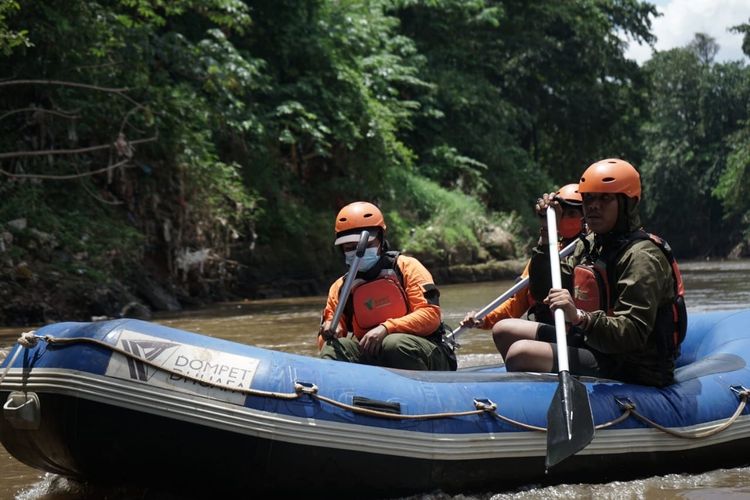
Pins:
x: 291, y: 325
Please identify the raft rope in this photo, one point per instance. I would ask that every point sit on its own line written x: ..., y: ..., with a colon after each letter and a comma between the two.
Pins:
x: 27, y: 339
x: 711, y: 430
x: 30, y: 339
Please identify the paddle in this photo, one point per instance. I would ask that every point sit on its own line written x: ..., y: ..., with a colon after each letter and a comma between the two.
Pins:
x: 570, y: 424
x: 344, y: 295
x: 522, y: 284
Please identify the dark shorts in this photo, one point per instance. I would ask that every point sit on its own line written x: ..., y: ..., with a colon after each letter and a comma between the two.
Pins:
x: 582, y: 359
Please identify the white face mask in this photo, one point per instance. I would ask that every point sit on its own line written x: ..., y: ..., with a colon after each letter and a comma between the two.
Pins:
x: 369, y: 259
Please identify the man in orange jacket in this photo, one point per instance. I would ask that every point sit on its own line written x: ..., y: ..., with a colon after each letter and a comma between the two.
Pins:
x: 571, y: 227
x: 393, y: 308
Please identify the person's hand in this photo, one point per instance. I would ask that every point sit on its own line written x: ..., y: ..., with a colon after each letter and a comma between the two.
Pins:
x: 471, y: 321
x: 325, y: 331
x: 560, y: 298
x: 547, y: 200
x: 372, y: 342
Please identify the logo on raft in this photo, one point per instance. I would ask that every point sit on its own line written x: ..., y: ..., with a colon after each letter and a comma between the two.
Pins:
x: 197, y: 370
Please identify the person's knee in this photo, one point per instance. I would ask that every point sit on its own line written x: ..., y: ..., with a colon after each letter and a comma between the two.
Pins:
x: 327, y: 352
x: 344, y: 349
x: 530, y: 356
x: 399, y: 350
x: 509, y: 327
x: 500, y: 328
x: 396, y: 344
x: 518, y: 355
x: 503, y: 335
x: 391, y: 343
x: 499, y: 331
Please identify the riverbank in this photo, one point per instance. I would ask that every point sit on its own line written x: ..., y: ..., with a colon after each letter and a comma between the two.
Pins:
x: 38, y: 292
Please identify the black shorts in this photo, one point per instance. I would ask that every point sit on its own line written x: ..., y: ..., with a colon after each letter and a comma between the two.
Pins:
x: 582, y: 360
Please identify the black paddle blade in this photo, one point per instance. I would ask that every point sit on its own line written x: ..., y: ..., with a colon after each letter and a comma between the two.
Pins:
x: 570, y: 425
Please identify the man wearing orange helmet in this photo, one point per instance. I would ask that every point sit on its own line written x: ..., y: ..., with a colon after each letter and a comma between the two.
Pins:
x: 393, y: 308
x: 571, y: 227
x: 627, y: 309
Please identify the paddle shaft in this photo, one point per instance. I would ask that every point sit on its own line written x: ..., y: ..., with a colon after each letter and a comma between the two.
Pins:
x: 554, y: 264
x: 570, y: 423
x: 344, y: 295
x: 521, y: 285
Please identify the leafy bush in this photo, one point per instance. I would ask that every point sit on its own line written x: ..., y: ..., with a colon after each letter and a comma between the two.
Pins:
x: 440, y: 226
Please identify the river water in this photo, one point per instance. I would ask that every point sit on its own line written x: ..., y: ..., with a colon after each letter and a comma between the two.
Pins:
x: 291, y: 325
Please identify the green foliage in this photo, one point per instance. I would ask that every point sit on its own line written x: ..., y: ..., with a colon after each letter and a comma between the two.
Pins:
x: 83, y: 238
x: 695, y: 106
x: 243, y: 126
x: 534, y: 91
x: 10, y: 38
x: 131, y: 74
x: 733, y: 188
x: 443, y: 227
x: 745, y: 30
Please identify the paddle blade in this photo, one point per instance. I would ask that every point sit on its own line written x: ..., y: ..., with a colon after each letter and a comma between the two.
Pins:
x: 570, y: 424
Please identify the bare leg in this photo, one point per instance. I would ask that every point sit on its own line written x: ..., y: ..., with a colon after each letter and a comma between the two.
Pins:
x: 530, y: 356
x: 508, y: 331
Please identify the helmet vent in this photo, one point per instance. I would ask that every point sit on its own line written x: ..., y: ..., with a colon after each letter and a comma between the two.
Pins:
x: 608, y: 179
x: 367, y: 215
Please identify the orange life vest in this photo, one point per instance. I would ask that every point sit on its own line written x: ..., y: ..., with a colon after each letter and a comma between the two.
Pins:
x: 376, y: 301
x: 592, y: 292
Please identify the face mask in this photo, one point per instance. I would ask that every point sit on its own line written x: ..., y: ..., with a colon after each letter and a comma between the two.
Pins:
x: 570, y: 227
x: 366, y: 262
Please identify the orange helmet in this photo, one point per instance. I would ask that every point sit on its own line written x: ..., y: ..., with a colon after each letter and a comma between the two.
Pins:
x: 569, y: 194
x: 611, y: 176
x: 357, y: 216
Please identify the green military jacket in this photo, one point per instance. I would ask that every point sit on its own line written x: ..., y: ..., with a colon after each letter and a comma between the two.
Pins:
x: 642, y: 282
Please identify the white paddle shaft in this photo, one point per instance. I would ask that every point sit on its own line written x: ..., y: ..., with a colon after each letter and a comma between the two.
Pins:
x: 554, y: 264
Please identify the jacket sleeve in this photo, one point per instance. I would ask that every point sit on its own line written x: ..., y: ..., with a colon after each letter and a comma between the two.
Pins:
x: 423, y: 296
x: 514, y: 307
x: 332, y: 302
x: 643, y: 283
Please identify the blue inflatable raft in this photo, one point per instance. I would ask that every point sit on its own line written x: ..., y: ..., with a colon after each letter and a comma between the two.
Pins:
x: 131, y: 402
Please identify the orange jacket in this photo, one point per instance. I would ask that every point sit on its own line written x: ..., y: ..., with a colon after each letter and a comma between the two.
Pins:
x: 424, y: 316
x: 514, y: 307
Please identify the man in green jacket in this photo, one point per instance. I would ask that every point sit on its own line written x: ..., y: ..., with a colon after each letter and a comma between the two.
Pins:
x: 627, y: 291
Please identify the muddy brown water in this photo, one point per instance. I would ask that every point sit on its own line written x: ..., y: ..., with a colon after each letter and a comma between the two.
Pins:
x: 291, y: 325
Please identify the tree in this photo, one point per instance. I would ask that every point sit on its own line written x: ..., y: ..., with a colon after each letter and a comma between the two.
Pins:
x: 530, y: 92
x: 107, y: 129
x: 695, y: 106
x: 745, y: 30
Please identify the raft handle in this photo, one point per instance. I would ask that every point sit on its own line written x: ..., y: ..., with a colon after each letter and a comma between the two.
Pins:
x: 484, y: 404
x: 625, y: 403
x: 740, y: 391
x: 22, y: 411
x: 376, y: 404
x: 305, y: 388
